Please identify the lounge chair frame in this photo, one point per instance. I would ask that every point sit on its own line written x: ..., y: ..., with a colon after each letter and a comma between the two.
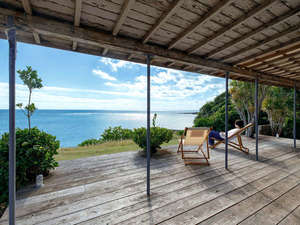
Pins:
x: 239, y: 145
x: 187, y: 159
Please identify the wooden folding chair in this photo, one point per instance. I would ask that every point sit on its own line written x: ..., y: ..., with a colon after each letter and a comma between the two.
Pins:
x: 239, y: 145
x: 195, y: 136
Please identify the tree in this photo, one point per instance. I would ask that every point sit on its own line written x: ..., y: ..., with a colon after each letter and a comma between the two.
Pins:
x: 276, y: 104
x: 32, y: 81
x: 243, y: 97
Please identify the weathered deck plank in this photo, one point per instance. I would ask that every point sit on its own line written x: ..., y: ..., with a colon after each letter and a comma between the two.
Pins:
x: 111, y: 189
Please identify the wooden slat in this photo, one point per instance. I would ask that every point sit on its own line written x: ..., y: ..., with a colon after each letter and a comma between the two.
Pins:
x: 27, y: 7
x: 163, y: 18
x: 36, y: 37
x: 236, y: 23
x: 74, y: 45
x: 292, y: 218
x: 77, y: 14
x: 128, y: 4
x: 198, y: 23
x: 275, y: 21
x: 292, y: 29
x: 274, y: 49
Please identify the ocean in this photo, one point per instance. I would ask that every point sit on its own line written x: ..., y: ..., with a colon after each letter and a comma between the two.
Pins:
x: 72, y: 127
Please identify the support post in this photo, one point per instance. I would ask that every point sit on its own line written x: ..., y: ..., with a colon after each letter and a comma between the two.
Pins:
x: 148, y: 124
x: 294, y: 129
x: 12, y: 134
x: 256, y: 118
x: 226, y: 120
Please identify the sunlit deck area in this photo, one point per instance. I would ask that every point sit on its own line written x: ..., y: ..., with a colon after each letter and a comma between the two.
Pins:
x: 110, y: 189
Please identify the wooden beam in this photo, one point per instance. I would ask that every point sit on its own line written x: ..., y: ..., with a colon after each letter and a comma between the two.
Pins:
x: 130, y: 56
x: 60, y: 30
x: 273, y: 49
x: 36, y: 37
x: 198, y: 23
x: 27, y: 6
x: 6, y: 34
x: 74, y: 45
x: 128, y: 4
x: 77, y: 14
x: 277, y: 20
x: 163, y: 18
x: 170, y: 64
x: 105, y: 50
x: 232, y: 25
x: 263, y: 42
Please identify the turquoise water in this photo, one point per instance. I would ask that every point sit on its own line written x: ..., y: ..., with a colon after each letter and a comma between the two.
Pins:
x: 72, y: 127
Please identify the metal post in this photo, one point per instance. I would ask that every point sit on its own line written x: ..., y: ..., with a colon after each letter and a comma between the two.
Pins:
x: 294, y: 130
x: 226, y: 121
x: 256, y: 118
x: 148, y: 124
x: 12, y: 134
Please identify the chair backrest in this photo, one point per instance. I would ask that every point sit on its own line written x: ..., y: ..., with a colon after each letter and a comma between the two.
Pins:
x: 241, y: 130
x: 196, y: 135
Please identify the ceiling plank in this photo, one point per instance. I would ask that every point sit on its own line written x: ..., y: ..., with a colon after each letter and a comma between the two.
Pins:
x: 77, y: 14
x: 163, y: 18
x: 279, y: 19
x: 27, y: 6
x: 58, y: 29
x: 128, y: 4
x: 199, y: 22
x: 277, y: 48
x: 236, y: 23
x: 263, y: 42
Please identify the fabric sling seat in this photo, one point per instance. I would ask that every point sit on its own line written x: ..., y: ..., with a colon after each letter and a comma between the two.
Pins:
x: 194, y: 136
x: 237, y: 145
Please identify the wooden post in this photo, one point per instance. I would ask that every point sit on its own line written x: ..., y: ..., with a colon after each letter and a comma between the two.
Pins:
x: 12, y: 134
x: 294, y: 130
x: 226, y: 120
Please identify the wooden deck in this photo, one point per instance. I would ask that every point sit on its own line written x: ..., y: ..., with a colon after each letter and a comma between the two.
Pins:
x: 111, y: 189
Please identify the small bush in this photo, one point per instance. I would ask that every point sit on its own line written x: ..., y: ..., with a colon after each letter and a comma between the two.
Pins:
x: 179, y: 132
x: 158, y: 136
x: 90, y: 142
x: 35, y: 152
x: 116, y: 134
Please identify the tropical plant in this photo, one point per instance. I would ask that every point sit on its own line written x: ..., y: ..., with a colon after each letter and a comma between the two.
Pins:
x: 32, y: 81
x: 35, y: 152
x: 116, y: 134
x: 89, y: 142
x: 242, y: 94
x: 276, y: 104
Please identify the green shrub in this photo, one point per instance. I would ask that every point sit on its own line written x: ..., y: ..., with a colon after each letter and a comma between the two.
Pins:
x: 116, y: 134
x: 158, y: 136
x: 35, y: 152
x: 89, y: 142
x: 179, y: 132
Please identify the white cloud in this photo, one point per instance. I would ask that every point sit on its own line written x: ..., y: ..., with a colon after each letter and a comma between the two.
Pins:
x: 104, y: 75
x: 115, y: 64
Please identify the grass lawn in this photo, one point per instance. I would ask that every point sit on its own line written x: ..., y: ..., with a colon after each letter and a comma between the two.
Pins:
x: 102, y: 149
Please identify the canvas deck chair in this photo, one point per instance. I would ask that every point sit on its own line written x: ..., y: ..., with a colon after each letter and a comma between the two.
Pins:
x: 195, y: 136
x: 237, y: 144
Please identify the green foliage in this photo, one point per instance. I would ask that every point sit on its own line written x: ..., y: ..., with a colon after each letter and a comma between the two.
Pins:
x: 32, y: 81
x: 154, y: 120
x: 158, y: 136
x: 212, y: 114
x: 35, y: 152
x: 116, y: 134
x: 90, y: 142
x: 179, y: 132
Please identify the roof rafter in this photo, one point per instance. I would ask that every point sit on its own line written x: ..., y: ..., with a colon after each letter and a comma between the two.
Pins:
x: 199, y: 22
x: 263, y: 42
x: 274, y: 50
x: 105, y: 50
x: 58, y: 29
x: 279, y: 19
x: 128, y: 4
x: 237, y: 22
x: 77, y: 16
x: 163, y: 18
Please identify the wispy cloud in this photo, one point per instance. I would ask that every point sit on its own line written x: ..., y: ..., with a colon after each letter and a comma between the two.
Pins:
x: 104, y: 75
x: 115, y: 64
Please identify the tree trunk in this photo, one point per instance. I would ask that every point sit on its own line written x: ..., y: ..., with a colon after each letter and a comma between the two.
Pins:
x: 28, y: 111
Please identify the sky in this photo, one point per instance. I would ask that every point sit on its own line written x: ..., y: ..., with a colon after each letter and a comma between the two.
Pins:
x: 80, y: 81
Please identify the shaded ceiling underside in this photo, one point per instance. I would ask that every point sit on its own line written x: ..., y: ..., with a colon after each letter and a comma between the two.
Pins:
x: 248, y: 38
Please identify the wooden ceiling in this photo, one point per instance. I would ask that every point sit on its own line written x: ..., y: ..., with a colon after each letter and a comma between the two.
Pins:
x: 248, y: 38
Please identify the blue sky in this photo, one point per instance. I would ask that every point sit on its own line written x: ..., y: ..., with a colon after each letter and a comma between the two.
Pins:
x: 79, y: 81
